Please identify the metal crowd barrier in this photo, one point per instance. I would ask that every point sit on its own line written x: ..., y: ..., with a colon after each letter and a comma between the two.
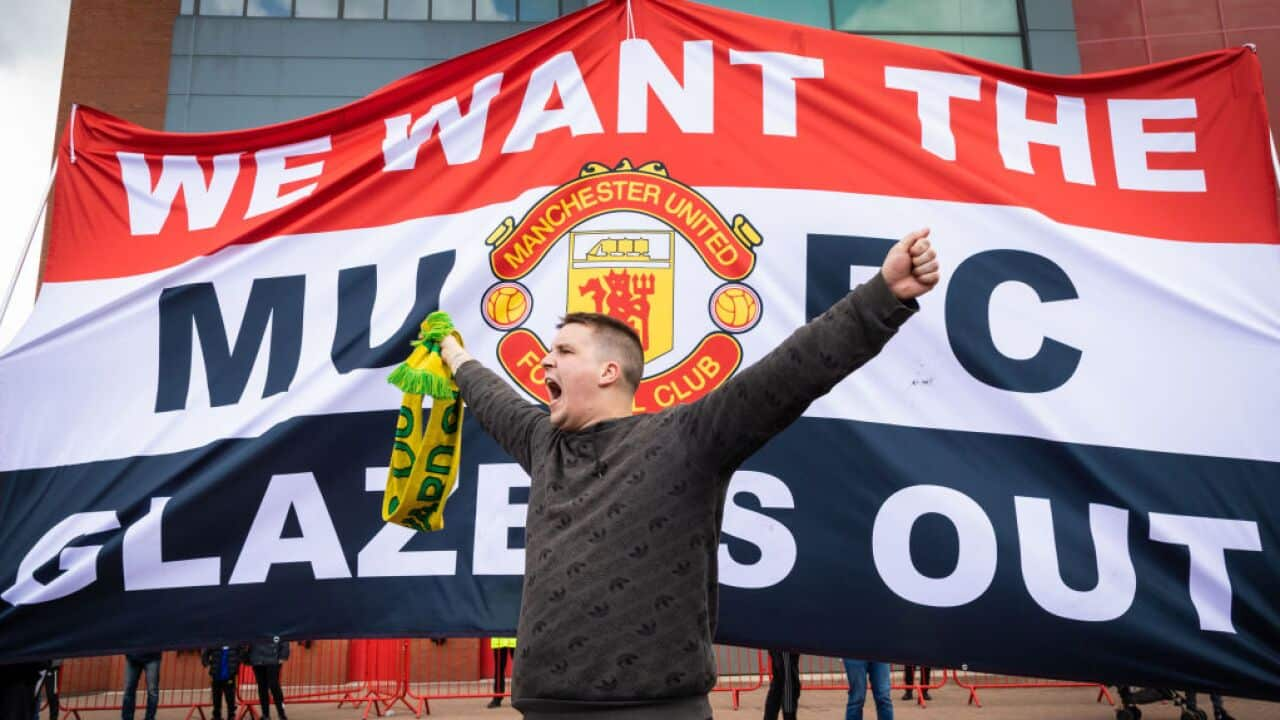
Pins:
x: 377, y: 675
x: 739, y: 670
x: 973, y: 682
x: 448, y: 669
x: 828, y: 673
x: 366, y: 673
x: 461, y: 669
x: 97, y: 684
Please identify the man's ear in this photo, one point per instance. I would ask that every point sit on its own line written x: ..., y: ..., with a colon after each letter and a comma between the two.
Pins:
x: 610, y: 373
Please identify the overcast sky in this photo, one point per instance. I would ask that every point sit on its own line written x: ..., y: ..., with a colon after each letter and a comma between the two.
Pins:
x: 32, y: 43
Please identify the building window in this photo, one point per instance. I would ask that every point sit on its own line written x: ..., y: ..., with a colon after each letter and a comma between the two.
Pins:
x: 363, y: 9
x: 988, y: 29
x: 222, y: 7
x: 938, y: 16
x: 408, y: 10
x: 1003, y: 50
x: 450, y: 9
x: 804, y: 12
x: 270, y: 8
x: 314, y: 8
x: 496, y: 10
x: 447, y: 10
x: 538, y: 10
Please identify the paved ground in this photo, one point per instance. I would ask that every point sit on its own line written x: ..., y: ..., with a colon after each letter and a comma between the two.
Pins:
x: 949, y: 702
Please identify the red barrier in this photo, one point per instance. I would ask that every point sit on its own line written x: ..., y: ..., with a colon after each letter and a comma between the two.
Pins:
x: 917, y: 685
x: 739, y: 670
x: 378, y: 674
x: 368, y: 673
x: 97, y: 683
x: 316, y: 672
x: 975, y: 681
x: 828, y: 673
x: 382, y: 666
x: 447, y: 669
x: 461, y: 669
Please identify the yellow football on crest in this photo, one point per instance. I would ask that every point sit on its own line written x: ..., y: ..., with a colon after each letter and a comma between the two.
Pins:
x: 736, y: 307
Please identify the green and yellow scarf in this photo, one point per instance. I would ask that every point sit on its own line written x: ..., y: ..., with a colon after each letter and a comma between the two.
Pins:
x: 424, y: 457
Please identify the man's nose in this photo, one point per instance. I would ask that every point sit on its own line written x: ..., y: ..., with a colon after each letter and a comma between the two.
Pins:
x: 547, y: 361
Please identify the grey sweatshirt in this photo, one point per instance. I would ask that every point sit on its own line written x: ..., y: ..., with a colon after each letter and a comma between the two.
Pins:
x: 620, y: 588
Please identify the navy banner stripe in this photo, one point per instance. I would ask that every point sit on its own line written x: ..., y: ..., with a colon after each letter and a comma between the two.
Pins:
x: 833, y: 600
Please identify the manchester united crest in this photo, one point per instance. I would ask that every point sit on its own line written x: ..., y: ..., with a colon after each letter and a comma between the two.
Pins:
x: 624, y: 226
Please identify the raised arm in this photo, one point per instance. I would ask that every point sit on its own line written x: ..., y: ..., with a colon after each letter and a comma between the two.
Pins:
x: 503, y: 413
x: 762, y: 400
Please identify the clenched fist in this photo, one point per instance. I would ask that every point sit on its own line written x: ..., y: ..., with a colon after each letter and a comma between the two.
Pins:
x: 911, y: 267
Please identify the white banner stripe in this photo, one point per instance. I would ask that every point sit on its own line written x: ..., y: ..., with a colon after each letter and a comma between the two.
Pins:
x: 1164, y: 331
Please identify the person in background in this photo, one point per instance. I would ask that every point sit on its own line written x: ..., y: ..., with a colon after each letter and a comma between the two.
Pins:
x: 909, y: 679
x: 1219, y: 711
x: 223, y: 664
x: 858, y: 672
x: 266, y: 657
x: 503, y: 648
x: 784, y: 685
x: 18, y: 690
x: 135, y: 665
x: 49, y: 683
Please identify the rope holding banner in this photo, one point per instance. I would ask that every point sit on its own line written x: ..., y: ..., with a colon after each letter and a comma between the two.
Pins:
x: 71, y: 134
x: 1275, y: 160
x: 31, y: 236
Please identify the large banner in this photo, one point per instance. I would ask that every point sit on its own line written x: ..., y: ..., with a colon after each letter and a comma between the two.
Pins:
x: 1063, y: 466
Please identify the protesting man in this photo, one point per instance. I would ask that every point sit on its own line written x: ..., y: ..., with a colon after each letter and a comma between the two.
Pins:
x: 620, y: 588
